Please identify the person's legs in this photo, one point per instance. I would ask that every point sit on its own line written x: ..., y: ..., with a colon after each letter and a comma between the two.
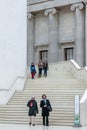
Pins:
x: 47, y: 121
x: 30, y: 120
x: 45, y: 72
x: 32, y: 75
x: 33, y: 121
x: 39, y: 72
x: 43, y: 120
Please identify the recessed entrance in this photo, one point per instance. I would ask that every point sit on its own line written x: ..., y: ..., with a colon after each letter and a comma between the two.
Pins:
x: 68, y: 53
x: 43, y: 55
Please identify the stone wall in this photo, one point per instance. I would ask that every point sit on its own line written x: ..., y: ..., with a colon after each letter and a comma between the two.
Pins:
x: 41, y: 30
x: 66, y: 27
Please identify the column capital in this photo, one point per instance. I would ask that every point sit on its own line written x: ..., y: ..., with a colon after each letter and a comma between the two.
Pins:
x: 30, y: 15
x: 48, y: 11
x: 78, y: 5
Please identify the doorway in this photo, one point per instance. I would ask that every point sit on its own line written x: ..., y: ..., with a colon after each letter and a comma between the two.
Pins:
x: 43, y: 55
x: 68, y: 53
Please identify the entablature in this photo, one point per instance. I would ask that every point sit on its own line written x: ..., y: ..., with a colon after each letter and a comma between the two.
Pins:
x: 31, y: 2
x: 50, y: 4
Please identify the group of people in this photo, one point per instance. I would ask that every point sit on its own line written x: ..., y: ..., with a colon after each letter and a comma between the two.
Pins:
x: 33, y: 110
x: 42, y: 66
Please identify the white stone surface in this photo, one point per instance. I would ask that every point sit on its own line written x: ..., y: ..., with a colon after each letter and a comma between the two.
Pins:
x: 12, y: 47
x: 12, y: 41
x: 27, y: 127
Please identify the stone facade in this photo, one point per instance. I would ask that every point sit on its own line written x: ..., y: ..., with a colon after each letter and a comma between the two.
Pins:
x: 57, y: 30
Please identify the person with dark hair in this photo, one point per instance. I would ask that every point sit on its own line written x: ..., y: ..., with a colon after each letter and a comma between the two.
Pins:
x: 40, y: 68
x: 45, y: 67
x: 33, y: 110
x: 46, y: 108
x: 33, y: 70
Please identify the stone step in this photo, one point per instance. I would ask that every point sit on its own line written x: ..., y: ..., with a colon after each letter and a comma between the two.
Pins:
x: 53, y: 104
x: 25, y: 118
x: 55, y: 81
x: 10, y: 106
x: 38, y: 99
x: 25, y: 112
x: 70, y: 123
x: 20, y: 111
x: 53, y: 89
x: 49, y: 94
x: 60, y: 99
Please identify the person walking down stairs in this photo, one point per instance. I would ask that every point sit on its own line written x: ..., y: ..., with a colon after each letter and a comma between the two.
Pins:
x: 33, y: 70
x: 45, y: 67
x: 33, y: 110
x: 40, y: 68
x: 46, y: 108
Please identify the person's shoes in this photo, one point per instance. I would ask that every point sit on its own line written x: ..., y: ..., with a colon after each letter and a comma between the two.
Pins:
x: 33, y: 124
x: 29, y: 123
x: 47, y: 125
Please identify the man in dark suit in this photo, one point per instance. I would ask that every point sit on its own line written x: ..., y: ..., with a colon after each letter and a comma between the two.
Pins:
x: 45, y: 105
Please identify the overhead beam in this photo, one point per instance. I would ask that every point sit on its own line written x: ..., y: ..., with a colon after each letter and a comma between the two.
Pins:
x: 51, y: 4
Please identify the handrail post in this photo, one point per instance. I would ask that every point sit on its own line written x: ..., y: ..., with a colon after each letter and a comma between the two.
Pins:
x: 77, y: 111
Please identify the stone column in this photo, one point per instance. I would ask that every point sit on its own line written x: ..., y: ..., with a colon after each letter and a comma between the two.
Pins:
x: 30, y: 39
x: 53, y: 35
x: 79, y: 33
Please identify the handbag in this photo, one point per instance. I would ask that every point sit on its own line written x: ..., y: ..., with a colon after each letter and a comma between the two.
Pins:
x: 49, y: 108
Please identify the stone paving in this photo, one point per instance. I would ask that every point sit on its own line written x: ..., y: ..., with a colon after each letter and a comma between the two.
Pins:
x: 37, y: 127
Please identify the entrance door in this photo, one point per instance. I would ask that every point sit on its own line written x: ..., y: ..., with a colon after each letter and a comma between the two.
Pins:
x: 43, y: 55
x: 68, y: 53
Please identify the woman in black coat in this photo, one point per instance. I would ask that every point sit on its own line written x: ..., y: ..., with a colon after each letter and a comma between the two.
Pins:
x: 46, y: 108
x: 33, y: 110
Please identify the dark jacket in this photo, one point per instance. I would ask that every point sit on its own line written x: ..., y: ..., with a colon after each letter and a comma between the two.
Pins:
x: 45, y: 110
x: 33, y: 108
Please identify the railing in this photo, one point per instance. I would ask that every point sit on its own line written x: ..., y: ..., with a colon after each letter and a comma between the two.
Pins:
x: 77, y: 71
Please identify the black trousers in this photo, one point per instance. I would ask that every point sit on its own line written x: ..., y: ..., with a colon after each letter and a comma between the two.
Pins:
x: 45, y: 120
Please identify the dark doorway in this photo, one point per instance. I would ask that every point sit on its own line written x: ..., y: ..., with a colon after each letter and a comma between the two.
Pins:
x: 68, y: 53
x: 43, y: 55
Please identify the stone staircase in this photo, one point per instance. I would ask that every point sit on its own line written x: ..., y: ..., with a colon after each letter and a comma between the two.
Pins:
x: 60, y: 88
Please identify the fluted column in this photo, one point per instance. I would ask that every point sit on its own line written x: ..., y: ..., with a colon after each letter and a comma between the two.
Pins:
x: 79, y: 39
x: 53, y: 35
x: 30, y: 39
